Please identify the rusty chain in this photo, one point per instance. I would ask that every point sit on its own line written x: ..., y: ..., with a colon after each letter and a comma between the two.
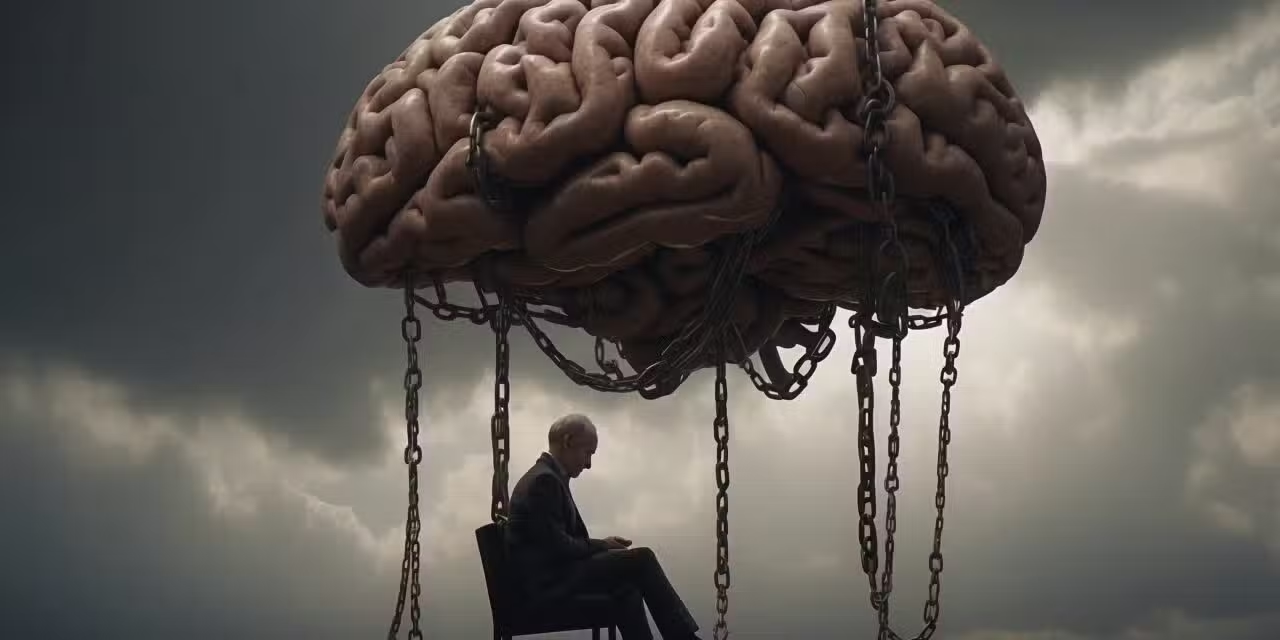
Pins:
x: 722, y: 576
x: 672, y: 368
x: 500, y: 424
x: 877, y: 102
x: 885, y: 314
x: 496, y: 194
x: 483, y: 314
x: 410, y: 565
x: 891, y: 483
x: 803, y: 369
x: 887, y: 307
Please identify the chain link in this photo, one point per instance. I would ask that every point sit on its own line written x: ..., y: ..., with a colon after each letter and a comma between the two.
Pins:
x: 500, y: 424
x: 410, y: 565
x: 864, y: 371
x: 608, y: 365
x: 950, y: 350
x: 483, y: 314
x: 495, y: 192
x: 674, y: 365
x: 891, y: 485
x: 722, y: 577
x: 803, y: 369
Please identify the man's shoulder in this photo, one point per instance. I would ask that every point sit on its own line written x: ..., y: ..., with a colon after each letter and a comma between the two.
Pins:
x: 538, y: 474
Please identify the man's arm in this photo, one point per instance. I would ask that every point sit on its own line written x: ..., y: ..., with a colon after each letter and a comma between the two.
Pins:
x: 546, y: 523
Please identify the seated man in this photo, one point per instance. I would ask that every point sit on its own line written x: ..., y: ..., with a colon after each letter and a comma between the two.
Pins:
x: 554, y: 559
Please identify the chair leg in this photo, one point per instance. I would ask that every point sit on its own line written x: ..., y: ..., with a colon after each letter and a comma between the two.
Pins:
x: 595, y: 634
x: 613, y: 630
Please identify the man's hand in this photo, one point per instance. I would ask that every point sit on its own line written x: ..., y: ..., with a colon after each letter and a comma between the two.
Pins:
x: 616, y: 542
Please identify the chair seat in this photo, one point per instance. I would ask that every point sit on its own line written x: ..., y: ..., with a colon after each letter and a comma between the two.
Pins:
x: 515, y: 616
x: 577, y: 612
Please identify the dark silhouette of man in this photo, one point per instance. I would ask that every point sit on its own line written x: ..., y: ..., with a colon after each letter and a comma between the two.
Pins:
x: 555, y: 558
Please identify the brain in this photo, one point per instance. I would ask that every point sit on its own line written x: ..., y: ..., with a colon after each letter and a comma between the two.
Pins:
x: 634, y: 138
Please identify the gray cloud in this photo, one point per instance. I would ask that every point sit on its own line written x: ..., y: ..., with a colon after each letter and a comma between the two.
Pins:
x: 166, y: 228
x: 1039, y: 41
x: 1104, y: 470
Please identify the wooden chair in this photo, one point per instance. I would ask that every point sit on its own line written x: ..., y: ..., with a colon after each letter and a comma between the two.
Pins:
x: 510, y: 619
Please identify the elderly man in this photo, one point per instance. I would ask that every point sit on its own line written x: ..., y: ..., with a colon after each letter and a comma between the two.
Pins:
x: 555, y: 558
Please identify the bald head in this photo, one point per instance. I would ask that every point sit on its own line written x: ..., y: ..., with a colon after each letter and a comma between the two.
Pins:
x: 572, y: 441
x: 574, y: 424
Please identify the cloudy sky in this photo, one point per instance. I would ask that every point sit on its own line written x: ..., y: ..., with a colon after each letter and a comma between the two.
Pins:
x: 199, y: 411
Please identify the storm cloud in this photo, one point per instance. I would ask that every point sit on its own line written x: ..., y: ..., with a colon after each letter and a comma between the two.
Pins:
x: 200, y: 412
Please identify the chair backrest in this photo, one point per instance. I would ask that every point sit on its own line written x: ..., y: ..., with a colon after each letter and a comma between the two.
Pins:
x: 490, y: 539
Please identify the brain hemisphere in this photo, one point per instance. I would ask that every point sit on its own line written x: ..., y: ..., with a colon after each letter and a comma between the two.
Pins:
x: 560, y: 110
x: 695, y: 175
x: 634, y: 133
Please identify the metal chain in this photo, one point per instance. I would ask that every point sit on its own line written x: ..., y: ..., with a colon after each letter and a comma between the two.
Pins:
x: 886, y: 314
x: 876, y: 319
x: 864, y: 371
x: 891, y: 484
x: 890, y: 303
x: 803, y: 369
x: 722, y: 578
x: 495, y: 192
x: 948, y: 377
x: 673, y: 366
x: 500, y: 424
x: 606, y: 364
x: 950, y: 350
x: 411, y: 331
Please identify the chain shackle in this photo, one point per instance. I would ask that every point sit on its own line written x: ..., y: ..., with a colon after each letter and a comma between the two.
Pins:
x: 492, y: 190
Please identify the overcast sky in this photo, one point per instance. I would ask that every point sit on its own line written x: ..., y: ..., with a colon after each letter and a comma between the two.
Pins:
x: 200, y: 413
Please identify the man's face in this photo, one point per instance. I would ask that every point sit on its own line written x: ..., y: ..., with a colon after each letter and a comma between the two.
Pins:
x: 578, y: 452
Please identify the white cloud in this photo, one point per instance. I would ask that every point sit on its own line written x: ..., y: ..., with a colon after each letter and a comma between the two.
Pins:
x: 1200, y: 109
x: 1162, y: 625
x: 1234, y: 476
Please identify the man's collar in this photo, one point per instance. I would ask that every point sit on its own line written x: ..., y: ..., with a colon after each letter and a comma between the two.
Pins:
x: 556, y: 466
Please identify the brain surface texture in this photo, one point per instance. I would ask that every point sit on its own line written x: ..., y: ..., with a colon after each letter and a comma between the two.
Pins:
x: 635, y: 138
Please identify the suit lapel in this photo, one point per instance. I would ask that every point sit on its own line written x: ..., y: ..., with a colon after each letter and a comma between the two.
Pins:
x: 576, y: 525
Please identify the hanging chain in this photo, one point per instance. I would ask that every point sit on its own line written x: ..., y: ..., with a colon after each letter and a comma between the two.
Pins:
x: 885, y: 314
x: 676, y: 361
x: 890, y: 302
x: 805, y: 366
x: 864, y: 371
x: 948, y: 377
x: 877, y: 317
x: 411, y: 331
x: 721, y: 425
x: 891, y: 484
x: 500, y: 424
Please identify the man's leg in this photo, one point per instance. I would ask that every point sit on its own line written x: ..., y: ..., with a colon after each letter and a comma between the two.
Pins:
x: 639, y: 568
x: 632, y: 621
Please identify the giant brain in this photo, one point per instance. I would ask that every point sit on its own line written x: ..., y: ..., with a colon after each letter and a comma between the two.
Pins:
x: 639, y: 136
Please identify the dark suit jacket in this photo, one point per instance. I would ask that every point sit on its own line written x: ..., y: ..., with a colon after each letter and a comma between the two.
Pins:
x: 546, y: 536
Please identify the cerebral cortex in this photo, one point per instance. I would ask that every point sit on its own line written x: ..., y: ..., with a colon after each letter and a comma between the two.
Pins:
x: 640, y: 135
